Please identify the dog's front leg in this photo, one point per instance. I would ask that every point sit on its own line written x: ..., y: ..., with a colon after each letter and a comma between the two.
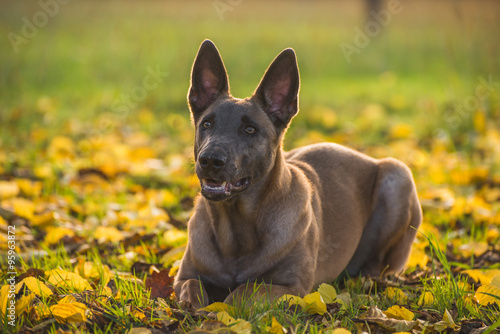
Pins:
x: 193, y: 291
x: 260, y: 292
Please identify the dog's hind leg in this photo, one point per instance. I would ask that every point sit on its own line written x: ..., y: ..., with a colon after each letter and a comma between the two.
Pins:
x: 389, y: 233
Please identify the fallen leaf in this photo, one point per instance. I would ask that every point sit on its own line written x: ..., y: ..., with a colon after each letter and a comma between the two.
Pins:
x: 217, y: 307
x: 482, y: 276
x: 23, y: 303
x: 8, y: 189
x: 376, y: 317
x: 239, y: 326
x: 108, y: 234
x: 68, y: 280
x: 174, y: 238
x: 426, y: 299
x: 314, y: 304
x: 488, y: 294
x: 34, y: 285
x: 340, y: 331
x: 73, y: 312
x: 447, y: 322
x: 399, y: 312
x: 55, y: 234
x: 396, y: 295
x: 160, y: 284
x: 276, y: 327
x: 327, y: 292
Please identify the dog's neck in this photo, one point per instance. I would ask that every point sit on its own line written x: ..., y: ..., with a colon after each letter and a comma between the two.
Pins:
x: 238, y: 224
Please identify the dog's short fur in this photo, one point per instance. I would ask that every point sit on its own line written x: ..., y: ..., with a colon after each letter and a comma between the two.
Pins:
x: 289, y: 220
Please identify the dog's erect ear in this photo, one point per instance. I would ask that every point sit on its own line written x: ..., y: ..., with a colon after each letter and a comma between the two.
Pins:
x: 278, y: 90
x: 208, y: 78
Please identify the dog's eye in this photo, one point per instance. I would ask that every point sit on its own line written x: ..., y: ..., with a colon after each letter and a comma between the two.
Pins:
x: 250, y: 130
x: 207, y: 124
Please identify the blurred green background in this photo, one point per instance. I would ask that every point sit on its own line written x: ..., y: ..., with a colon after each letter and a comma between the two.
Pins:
x: 85, y: 56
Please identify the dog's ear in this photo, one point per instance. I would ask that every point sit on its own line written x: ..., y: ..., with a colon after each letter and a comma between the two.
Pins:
x: 208, y: 78
x: 278, y: 90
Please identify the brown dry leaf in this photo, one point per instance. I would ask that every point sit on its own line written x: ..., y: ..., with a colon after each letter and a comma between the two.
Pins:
x: 160, y: 284
x: 375, y: 316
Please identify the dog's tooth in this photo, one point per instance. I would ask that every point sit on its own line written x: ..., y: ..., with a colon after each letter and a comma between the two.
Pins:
x: 227, y: 187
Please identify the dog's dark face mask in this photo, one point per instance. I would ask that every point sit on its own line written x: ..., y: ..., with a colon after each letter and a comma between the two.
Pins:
x: 237, y: 140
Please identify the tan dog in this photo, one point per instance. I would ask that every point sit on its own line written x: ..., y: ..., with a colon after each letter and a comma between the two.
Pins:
x: 288, y: 220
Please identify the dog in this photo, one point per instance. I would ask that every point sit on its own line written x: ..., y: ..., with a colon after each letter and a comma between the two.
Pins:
x: 283, y: 221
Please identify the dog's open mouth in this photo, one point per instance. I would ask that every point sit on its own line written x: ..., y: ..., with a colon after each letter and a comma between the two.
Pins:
x: 218, y: 189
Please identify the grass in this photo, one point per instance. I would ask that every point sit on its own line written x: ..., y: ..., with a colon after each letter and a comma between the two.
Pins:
x: 425, y: 90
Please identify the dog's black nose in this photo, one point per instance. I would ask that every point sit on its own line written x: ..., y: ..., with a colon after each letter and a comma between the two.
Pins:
x: 212, y: 160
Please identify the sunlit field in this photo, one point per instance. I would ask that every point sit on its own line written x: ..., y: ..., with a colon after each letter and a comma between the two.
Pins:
x: 96, y: 167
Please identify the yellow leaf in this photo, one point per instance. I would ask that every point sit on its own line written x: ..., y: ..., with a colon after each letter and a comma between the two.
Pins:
x: 43, y: 219
x: 67, y: 300
x: 476, y: 248
x: 217, y: 307
x: 276, y: 327
x: 4, y: 299
x: 314, y: 303
x: 496, y: 281
x: 42, y: 311
x: 94, y: 271
x: 396, y: 295
x: 426, y: 299
x: 293, y: 300
x: 23, y: 303
x: 482, y: 276
x: 344, y: 299
x: 173, y: 271
x: 3, y: 222
x: 34, y: 285
x: 67, y: 280
x: 30, y: 188
x: 225, y: 318
x: 480, y: 121
x: 417, y: 258
x: 175, y: 237
x: 61, y: 148
x: 399, y: 312
x: 8, y: 189
x: 23, y: 207
x: 327, y: 292
x: 138, y: 314
x: 55, y: 234
x: 108, y: 234
x: 488, y: 294
x: 401, y: 131
x: 447, y: 322
x: 340, y: 331
x: 73, y: 312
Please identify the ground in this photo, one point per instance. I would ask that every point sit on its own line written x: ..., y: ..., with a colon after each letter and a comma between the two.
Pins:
x: 97, y: 179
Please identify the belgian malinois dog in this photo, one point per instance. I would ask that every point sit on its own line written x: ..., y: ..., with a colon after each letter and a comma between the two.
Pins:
x: 285, y: 220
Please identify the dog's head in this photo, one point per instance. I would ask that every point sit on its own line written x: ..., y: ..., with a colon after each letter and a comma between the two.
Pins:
x: 237, y: 139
